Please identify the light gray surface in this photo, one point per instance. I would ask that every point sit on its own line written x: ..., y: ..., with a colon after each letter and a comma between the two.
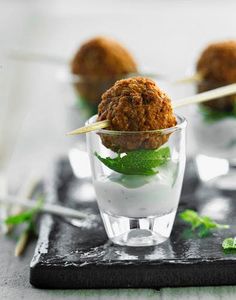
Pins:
x: 164, y: 35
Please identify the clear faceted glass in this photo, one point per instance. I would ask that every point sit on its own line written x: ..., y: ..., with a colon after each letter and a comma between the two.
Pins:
x: 214, y: 129
x: 138, y: 210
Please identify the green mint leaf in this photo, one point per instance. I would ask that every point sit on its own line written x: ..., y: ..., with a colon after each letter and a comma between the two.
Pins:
x: 20, y: 218
x: 25, y: 216
x: 201, y: 224
x: 212, y: 116
x: 203, y: 231
x: 138, y: 162
x: 229, y: 244
x: 191, y: 217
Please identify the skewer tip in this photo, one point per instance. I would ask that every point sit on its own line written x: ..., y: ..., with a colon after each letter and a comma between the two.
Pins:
x: 75, y: 132
x: 88, y: 128
x: 70, y: 133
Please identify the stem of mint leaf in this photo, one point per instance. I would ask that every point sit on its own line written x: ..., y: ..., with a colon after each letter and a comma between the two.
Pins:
x: 202, y: 225
x: 138, y: 162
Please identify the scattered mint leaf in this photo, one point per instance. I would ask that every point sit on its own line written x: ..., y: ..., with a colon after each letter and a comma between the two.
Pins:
x: 203, y: 231
x: 229, y: 244
x: 200, y: 224
x: 212, y: 116
x: 138, y: 162
x: 25, y: 216
x: 20, y: 218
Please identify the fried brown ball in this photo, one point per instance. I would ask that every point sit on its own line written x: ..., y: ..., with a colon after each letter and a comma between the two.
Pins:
x: 218, y: 62
x: 135, y: 104
x: 99, y: 63
x: 222, y: 104
x: 217, y: 66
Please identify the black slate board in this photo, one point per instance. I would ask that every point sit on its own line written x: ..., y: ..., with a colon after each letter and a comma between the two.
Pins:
x: 67, y: 256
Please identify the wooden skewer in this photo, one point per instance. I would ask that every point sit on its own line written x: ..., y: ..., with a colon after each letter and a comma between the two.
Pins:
x: 26, y: 191
x: 149, y: 75
x: 36, y: 57
x: 197, y: 77
x: 20, y: 55
x: 90, y: 127
x: 198, y: 98
x: 22, y: 242
x: 206, y: 96
x: 22, y: 202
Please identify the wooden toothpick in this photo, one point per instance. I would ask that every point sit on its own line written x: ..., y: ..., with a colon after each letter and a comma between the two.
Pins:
x: 90, y: 127
x: 206, y: 96
x: 197, y: 77
x: 198, y: 98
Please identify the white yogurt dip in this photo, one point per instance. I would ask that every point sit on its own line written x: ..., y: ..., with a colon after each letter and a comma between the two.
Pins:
x: 136, y: 196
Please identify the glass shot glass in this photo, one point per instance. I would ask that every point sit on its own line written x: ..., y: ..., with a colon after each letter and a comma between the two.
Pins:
x: 138, y: 189
x: 214, y: 129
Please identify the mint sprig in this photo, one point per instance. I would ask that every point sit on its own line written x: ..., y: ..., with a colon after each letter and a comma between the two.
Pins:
x: 229, y: 244
x: 211, y: 115
x: 138, y: 162
x: 27, y: 216
x: 202, y: 225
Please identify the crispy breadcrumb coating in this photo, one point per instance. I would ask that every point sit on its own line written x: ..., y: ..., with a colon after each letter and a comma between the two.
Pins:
x: 100, y: 62
x: 136, y: 104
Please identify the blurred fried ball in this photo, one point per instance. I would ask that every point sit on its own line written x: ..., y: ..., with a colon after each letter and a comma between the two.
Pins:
x: 217, y: 67
x: 98, y: 64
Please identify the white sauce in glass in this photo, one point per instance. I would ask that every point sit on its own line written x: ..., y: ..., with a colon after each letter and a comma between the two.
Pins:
x: 136, y: 196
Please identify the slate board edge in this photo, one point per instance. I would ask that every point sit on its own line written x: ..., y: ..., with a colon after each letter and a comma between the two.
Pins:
x: 206, y: 272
